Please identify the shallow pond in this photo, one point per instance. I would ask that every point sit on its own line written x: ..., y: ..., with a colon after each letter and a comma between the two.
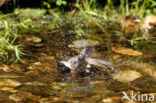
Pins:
x: 36, y: 78
x: 40, y: 82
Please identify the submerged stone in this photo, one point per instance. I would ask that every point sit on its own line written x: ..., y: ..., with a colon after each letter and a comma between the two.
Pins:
x: 149, y: 25
x: 144, y: 68
x: 126, y: 76
x: 84, y: 43
x: 129, y: 24
x: 126, y: 51
x: 10, y: 82
x: 144, y: 84
x: 15, y: 98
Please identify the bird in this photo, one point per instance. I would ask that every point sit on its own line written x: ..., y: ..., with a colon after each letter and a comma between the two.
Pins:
x: 82, y: 62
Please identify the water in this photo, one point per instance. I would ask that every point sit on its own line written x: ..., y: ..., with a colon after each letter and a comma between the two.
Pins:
x: 36, y: 78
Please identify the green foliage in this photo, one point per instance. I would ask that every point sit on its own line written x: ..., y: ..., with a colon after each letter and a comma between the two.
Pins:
x: 137, y: 7
x: 61, y: 2
x: 79, y: 31
x: 87, y: 5
x: 58, y: 3
x: 7, y: 38
x: 142, y: 8
x: 47, y: 4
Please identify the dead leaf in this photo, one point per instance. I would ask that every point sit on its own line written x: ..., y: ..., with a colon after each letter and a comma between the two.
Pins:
x: 126, y: 51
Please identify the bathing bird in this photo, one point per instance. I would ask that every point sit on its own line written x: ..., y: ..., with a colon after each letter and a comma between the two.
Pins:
x: 82, y: 62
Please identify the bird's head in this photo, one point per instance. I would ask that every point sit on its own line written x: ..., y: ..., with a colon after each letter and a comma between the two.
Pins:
x: 63, y: 67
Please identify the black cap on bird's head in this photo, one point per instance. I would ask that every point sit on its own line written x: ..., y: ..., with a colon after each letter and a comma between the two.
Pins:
x: 62, y: 67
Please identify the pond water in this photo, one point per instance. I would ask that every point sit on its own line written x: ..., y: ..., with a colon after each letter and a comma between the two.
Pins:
x: 36, y: 78
x: 41, y: 82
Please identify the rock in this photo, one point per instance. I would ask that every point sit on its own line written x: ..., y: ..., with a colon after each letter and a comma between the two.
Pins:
x: 144, y: 84
x: 144, y: 68
x: 128, y: 101
x: 92, y: 99
x: 111, y: 100
x: 34, y: 84
x: 116, y: 57
x: 75, y: 91
x: 9, y: 89
x: 16, y: 67
x: 118, y: 86
x: 84, y: 43
x: 37, y: 64
x: 27, y: 96
x: 6, y: 68
x: 149, y: 25
x: 126, y: 51
x: 129, y: 24
x: 44, y: 100
x: 51, y: 99
x: 108, y: 100
x: 96, y: 82
x: 10, y: 82
x: 57, y: 100
x: 10, y: 76
x: 126, y: 76
x: 15, y: 98
x: 63, y: 84
x: 58, y: 86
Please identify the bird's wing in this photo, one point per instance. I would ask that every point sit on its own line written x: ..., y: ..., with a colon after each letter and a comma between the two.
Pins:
x: 99, y: 62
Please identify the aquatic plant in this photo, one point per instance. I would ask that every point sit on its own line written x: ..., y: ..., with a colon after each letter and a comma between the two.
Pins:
x: 8, y: 36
